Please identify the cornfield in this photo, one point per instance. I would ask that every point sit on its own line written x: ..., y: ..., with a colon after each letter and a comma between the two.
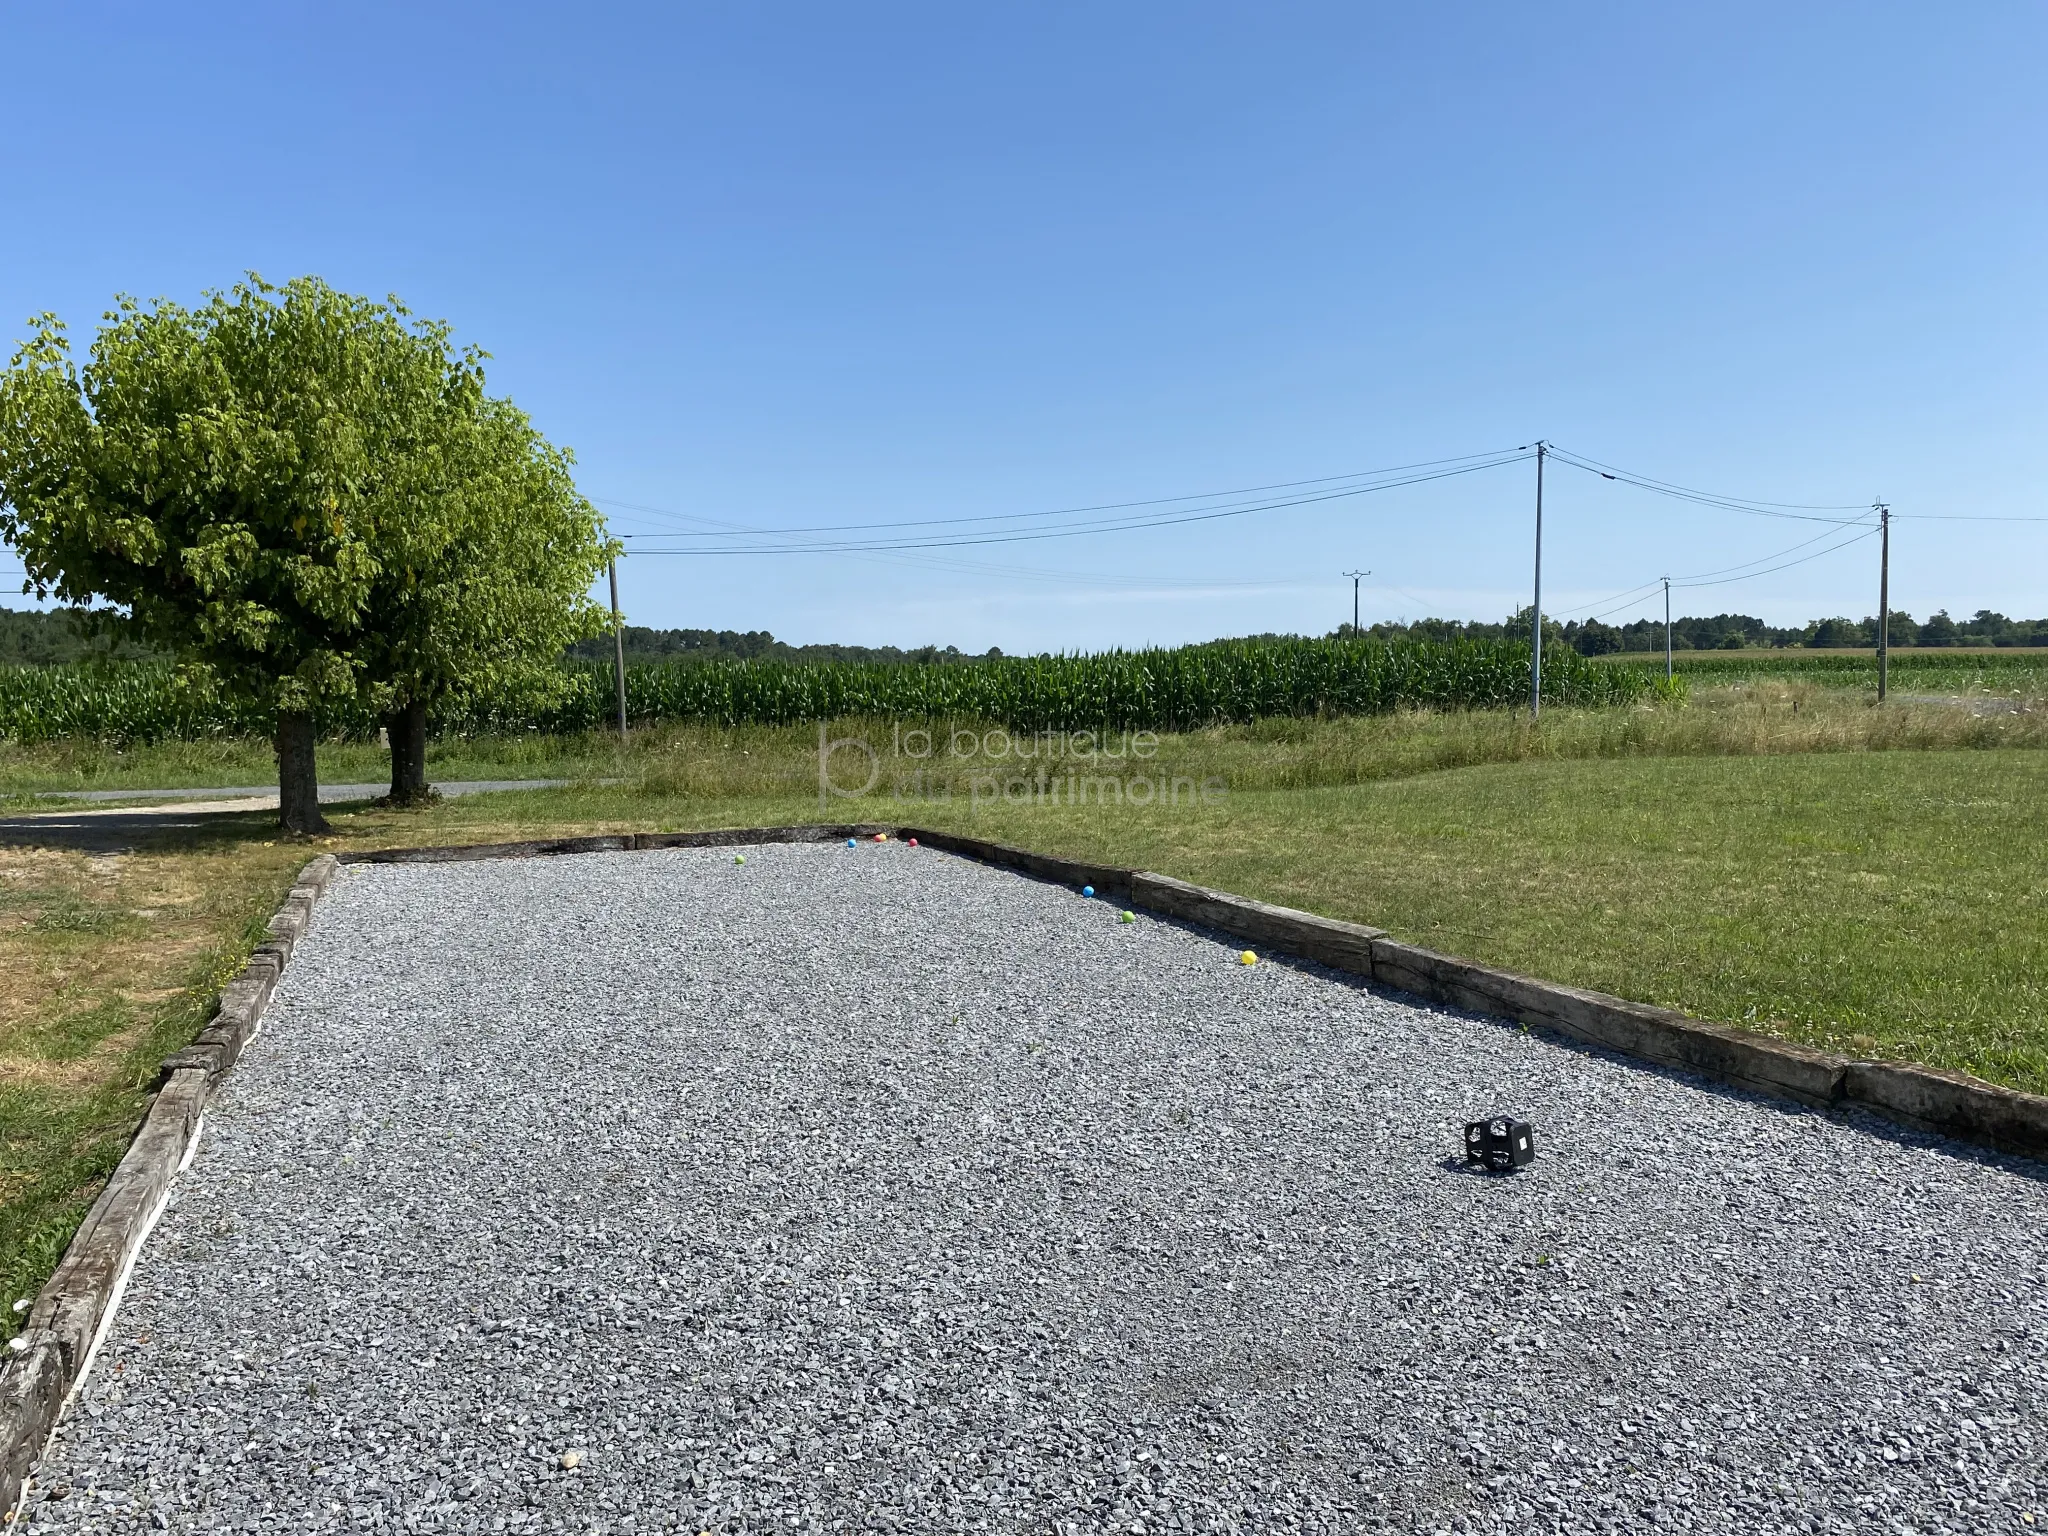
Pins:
x: 1118, y: 690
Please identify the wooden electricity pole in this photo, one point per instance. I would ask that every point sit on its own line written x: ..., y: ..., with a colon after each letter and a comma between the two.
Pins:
x: 1536, y: 617
x: 618, y: 652
x: 1667, y: 629
x: 1355, y: 576
x: 1884, y: 599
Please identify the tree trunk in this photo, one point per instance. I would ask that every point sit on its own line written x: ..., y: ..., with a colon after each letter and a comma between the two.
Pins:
x: 298, y: 778
x: 406, y: 727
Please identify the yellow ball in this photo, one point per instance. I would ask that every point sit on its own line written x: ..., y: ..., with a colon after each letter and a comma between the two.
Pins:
x: 1247, y: 958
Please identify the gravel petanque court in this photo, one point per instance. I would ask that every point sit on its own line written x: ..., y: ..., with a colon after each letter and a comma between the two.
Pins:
x: 874, y: 1189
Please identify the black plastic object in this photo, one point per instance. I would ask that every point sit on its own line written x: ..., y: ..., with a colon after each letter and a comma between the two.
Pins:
x: 1501, y: 1144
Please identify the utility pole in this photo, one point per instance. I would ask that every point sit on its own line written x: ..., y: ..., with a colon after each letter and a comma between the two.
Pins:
x: 1667, y: 629
x: 618, y: 651
x: 1355, y: 575
x: 1536, y: 617
x: 1884, y: 599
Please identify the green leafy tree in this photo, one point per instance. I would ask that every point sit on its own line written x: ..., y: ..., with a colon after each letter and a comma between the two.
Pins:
x: 480, y: 596
x: 1986, y: 626
x: 1838, y: 631
x: 239, y: 482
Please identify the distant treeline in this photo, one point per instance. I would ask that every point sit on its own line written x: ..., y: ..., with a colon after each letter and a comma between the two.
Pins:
x: 47, y: 637
x: 1730, y: 631
x: 51, y: 637
x: 38, y: 638
x: 643, y: 644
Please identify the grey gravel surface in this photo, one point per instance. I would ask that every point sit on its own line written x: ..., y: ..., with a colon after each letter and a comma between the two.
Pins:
x: 872, y: 1189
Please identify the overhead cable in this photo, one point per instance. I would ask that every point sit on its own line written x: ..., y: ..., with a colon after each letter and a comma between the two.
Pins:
x: 1474, y: 460
x: 1120, y: 525
x: 1705, y: 498
x: 1643, y: 594
x: 1817, y: 554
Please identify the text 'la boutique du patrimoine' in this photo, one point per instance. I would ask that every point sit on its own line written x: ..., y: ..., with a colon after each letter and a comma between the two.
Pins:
x: 1036, y: 768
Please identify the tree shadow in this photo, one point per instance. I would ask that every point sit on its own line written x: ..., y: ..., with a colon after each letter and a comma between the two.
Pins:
x: 195, y: 828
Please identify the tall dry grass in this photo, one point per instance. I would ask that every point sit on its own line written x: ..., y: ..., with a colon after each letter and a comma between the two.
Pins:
x: 1747, y: 719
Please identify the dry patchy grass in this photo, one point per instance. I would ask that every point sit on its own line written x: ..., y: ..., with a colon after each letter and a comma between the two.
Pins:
x: 111, y: 962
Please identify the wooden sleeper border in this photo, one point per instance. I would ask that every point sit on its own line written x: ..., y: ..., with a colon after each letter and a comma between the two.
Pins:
x: 72, y: 1313
x: 48, y: 1359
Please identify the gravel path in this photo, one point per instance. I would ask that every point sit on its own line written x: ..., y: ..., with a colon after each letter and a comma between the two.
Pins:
x: 872, y: 1189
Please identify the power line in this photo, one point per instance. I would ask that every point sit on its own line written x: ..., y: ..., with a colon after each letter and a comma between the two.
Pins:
x: 1697, y: 578
x: 1068, y: 579
x: 1747, y: 504
x: 1648, y: 586
x: 1502, y: 455
x: 1753, y: 507
x: 1963, y: 517
x: 1700, y: 578
x: 1633, y: 601
x: 1638, y: 594
x: 1111, y: 526
x: 1063, y: 578
x: 1717, y: 496
x: 1817, y: 554
x: 1114, y: 525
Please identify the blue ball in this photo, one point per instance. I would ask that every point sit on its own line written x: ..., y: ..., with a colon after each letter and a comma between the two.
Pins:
x: 849, y: 842
x: 1087, y: 890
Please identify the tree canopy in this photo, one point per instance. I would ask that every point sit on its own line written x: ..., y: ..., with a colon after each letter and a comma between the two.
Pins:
x: 303, y: 494
x: 481, y: 598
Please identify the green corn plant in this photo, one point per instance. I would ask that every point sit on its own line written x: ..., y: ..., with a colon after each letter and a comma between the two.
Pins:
x: 1228, y: 682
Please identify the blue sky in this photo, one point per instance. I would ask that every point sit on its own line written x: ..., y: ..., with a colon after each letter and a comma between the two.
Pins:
x: 800, y: 265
